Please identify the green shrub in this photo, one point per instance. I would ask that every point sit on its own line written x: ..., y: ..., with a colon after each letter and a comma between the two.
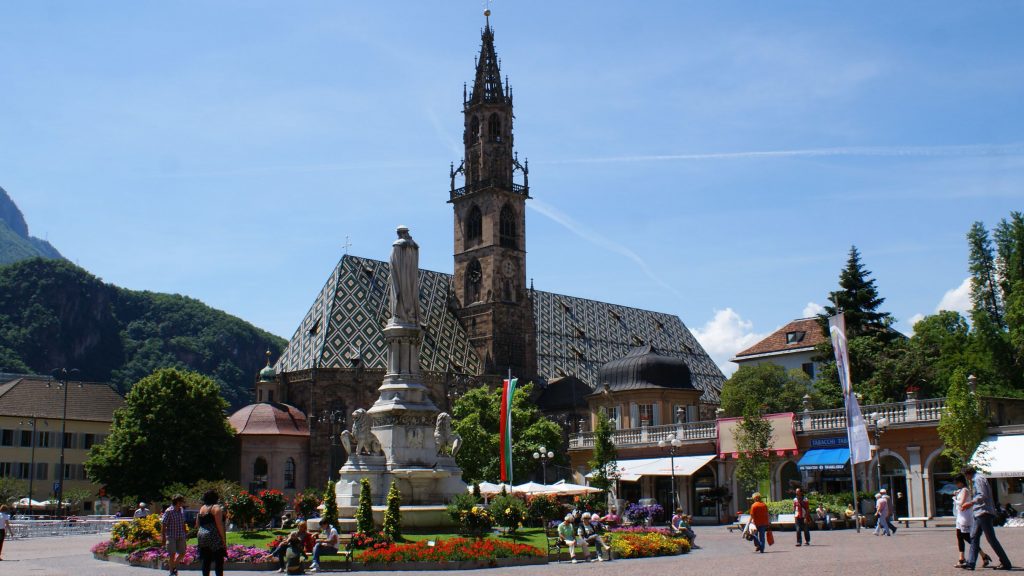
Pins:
x: 543, y: 507
x: 508, y: 511
x: 392, y: 527
x: 330, y: 515
x: 364, y: 513
x: 306, y: 503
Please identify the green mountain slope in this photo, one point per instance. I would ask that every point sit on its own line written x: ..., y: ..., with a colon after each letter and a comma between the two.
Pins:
x: 15, y: 242
x: 55, y: 314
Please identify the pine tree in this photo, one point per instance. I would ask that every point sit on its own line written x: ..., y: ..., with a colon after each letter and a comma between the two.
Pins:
x: 364, y: 513
x: 986, y: 300
x: 858, y: 299
x: 393, y: 515
x: 330, y: 515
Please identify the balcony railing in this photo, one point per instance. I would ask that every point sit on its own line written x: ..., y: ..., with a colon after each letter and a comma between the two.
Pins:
x: 810, y: 421
x: 469, y: 188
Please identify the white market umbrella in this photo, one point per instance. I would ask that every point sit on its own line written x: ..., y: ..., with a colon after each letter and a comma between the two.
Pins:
x: 531, y: 488
x: 491, y: 489
x: 25, y: 503
x: 562, y: 488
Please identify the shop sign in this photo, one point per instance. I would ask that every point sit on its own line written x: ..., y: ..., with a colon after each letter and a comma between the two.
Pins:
x: 838, y: 442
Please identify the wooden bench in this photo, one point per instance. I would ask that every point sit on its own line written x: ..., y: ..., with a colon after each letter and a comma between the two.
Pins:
x: 555, y: 543
x: 907, y: 520
x: 784, y: 521
x: 740, y: 523
x: 345, y: 553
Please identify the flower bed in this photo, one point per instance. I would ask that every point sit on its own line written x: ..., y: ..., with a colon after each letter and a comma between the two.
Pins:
x: 155, y: 556
x: 637, y: 543
x: 451, y: 550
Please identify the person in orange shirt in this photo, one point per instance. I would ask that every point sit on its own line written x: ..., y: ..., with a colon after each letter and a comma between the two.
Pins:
x: 759, y: 517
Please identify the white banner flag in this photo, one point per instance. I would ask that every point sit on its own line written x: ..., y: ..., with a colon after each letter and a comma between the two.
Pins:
x: 860, y: 447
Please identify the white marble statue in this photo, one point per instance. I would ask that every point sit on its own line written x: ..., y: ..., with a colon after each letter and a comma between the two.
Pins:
x: 405, y: 284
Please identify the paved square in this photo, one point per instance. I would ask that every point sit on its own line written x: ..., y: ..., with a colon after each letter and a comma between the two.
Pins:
x: 913, y: 551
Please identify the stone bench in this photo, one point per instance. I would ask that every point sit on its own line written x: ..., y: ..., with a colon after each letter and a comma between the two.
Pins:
x: 907, y: 520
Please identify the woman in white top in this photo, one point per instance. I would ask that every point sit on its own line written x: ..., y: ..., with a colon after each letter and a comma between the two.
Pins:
x: 963, y: 506
x: 5, y: 526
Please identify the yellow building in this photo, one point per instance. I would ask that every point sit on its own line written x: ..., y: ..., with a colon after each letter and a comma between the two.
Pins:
x: 31, y: 413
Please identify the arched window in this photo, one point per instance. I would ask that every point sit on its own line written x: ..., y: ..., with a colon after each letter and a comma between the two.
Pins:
x: 894, y: 480
x: 474, y: 277
x: 943, y: 486
x: 705, y: 503
x: 789, y: 480
x: 474, y: 129
x: 289, y: 473
x: 507, y: 227
x: 259, y: 475
x: 474, y: 224
x: 494, y: 128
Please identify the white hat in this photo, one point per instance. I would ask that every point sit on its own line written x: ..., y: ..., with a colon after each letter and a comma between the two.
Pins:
x: 882, y: 491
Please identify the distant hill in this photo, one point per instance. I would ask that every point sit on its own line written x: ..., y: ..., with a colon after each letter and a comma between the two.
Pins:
x: 15, y: 242
x: 55, y: 314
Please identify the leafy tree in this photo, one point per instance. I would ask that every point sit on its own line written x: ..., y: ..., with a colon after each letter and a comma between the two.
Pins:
x: 392, y: 527
x: 364, y: 513
x: 11, y: 490
x: 768, y: 385
x: 330, y: 515
x: 475, y: 416
x: 754, y: 443
x: 603, y: 461
x: 73, y: 497
x: 962, y: 427
x: 171, y: 428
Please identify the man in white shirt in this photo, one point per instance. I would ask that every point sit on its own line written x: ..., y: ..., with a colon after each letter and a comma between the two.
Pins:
x: 327, y: 546
x: 141, y: 511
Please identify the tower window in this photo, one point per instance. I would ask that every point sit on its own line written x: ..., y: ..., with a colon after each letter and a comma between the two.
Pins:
x: 507, y: 227
x: 474, y: 129
x: 474, y: 224
x: 494, y: 128
x: 473, y: 278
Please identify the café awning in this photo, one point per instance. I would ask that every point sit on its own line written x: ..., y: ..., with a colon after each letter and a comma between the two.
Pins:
x: 1001, y: 456
x: 633, y: 470
x: 824, y: 459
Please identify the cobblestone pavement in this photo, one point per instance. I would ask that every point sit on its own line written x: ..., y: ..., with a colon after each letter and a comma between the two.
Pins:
x: 913, y: 551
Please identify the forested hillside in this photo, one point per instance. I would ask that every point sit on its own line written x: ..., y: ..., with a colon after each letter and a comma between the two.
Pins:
x: 55, y: 314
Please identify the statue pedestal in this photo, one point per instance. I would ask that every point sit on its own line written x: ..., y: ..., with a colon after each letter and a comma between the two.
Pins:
x: 404, y: 421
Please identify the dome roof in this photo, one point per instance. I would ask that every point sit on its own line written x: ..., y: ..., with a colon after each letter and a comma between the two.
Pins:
x: 644, y: 368
x: 269, y: 418
x: 267, y: 374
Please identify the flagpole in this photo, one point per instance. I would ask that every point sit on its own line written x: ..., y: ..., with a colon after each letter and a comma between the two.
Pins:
x: 510, y: 442
x: 846, y: 411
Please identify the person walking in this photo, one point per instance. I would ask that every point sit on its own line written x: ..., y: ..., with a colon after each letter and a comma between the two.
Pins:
x: 5, y: 526
x: 759, y: 518
x: 964, y: 509
x: 211, y: 535
x: 984, y: 514
x: 802, y: 511
x: 172, y: 532
x: 889, y: 520
x: 881, y: 515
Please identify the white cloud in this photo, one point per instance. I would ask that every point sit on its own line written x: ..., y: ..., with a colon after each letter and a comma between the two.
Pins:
x: 958, y: 299
x: 812, y: 309
x: 914, y: 320
x: 725, y: 335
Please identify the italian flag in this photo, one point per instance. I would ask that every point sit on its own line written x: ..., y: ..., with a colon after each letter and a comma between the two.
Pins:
x: 508, y: 388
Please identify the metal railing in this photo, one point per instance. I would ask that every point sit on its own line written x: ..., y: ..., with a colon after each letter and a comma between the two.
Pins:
x: 898, y: 413
x: 488, y: 183
x: 21, y: 528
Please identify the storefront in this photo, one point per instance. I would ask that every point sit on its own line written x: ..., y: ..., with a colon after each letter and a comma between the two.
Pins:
x: 826, y: 466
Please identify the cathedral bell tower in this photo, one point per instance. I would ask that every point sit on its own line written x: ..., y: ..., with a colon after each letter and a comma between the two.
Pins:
x: 490, y: 226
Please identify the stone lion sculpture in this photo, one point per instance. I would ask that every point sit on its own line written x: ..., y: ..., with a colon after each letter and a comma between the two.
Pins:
x: 365, y: 440
x: 447, y: 440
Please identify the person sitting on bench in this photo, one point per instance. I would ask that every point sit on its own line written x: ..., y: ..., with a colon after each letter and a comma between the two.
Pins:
x: 590, y: 533
x: 567, y: 535
x: 327, y: 546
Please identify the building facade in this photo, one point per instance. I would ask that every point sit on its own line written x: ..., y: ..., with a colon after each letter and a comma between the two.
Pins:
x: 792, y: 347
x: 31, y: 420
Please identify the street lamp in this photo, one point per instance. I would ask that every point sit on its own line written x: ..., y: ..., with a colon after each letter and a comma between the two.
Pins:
x: 62, y: 375
x: 543, y: 454
x: 672, y: 446
x: 881, y: 424
x: 32, y: 465
x: 336, y: 420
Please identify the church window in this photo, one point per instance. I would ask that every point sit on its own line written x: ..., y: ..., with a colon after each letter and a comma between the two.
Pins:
x: 507, y: 227
x: 474, y: 129
x: 474, y: 224
x: 494, y: 128
x: 289, y: 473
x: 270, y: 395
x: 474, y: 275
x: 259, y: 475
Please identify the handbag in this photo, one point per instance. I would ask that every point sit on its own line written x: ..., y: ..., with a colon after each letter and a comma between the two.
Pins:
x: 770, y: 538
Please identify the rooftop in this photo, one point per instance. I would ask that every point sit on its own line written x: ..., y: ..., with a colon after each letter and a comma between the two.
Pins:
x: 801, y: 334
x: 41, y: 396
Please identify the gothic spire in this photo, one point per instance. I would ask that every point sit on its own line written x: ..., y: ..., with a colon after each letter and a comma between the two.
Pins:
x: 487, y: 84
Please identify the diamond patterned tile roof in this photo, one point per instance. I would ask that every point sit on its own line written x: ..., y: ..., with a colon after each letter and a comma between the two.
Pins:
x: 575, y: 336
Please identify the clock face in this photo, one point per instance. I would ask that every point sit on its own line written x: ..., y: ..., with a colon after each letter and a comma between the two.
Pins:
x: 508, y: 268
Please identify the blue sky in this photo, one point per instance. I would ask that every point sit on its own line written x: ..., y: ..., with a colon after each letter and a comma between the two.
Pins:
x: 712, y: 160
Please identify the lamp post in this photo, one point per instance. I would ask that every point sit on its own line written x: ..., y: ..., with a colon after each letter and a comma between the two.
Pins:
x: 543, y: 454
x: 32, y: 465
x: 881, y: 423
x: 672, y: 446
x: 62, y: 375
x: 336, y: 420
